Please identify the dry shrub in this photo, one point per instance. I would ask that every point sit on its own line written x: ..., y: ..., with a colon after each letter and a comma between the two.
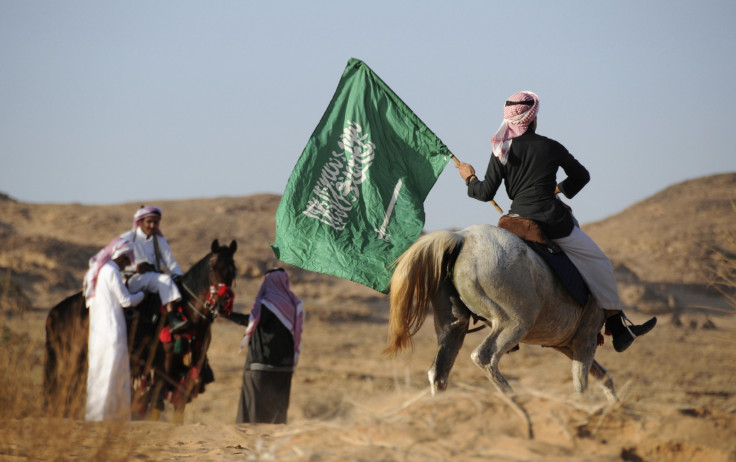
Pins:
x: 28, y: 431
x: 20, y: 369
x: 12, y: 298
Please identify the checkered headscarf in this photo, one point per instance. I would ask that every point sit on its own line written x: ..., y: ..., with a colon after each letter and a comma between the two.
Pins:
x: 518, y: 113
x: 276, y: 295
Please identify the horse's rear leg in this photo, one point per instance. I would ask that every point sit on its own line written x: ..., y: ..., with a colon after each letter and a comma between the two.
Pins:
x: 488, y: 354
x: 451, y: 319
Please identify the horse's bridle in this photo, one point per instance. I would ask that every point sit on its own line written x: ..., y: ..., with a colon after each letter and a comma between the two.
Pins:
x: 216, y: 294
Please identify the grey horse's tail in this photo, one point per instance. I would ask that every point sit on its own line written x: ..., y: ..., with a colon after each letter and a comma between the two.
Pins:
x: 419, y: 272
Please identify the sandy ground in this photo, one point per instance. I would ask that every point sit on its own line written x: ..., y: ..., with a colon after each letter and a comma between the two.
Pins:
x: 676, y: 387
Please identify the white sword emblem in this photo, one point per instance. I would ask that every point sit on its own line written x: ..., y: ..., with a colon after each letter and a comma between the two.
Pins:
x: 382, y: 234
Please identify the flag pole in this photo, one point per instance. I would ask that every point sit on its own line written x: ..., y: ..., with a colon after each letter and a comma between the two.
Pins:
x: 457, y: 161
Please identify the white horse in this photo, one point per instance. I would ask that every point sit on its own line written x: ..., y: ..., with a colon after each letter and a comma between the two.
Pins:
x: 492, y: 273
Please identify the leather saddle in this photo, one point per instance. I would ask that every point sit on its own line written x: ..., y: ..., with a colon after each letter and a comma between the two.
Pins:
x: 530, y: 232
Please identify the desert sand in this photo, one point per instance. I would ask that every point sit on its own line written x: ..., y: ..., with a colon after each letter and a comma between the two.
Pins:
x: 676, y: 386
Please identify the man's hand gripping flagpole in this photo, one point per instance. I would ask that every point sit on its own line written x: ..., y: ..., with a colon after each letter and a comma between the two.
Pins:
x: 457, y: 163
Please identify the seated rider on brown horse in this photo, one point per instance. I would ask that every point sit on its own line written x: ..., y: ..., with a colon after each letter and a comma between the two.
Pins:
x: 527, y: 163
x: 154, y: 270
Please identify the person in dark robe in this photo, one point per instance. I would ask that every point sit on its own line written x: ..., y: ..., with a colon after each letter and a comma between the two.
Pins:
x: 273, y: 338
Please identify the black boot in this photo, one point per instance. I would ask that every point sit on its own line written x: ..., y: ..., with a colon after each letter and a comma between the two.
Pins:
x: 176, y: 321
x: 623, y: 335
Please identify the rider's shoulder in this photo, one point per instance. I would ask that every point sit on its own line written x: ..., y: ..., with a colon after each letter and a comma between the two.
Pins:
x: 128, y: 235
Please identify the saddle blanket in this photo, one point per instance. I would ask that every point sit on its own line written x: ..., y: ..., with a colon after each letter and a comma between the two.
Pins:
x: 530, y: 232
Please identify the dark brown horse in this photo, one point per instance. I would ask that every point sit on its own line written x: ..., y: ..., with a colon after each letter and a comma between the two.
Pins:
x: 177, y: 368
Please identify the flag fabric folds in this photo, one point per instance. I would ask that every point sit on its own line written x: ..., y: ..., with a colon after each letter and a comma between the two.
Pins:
x: 355, y: 200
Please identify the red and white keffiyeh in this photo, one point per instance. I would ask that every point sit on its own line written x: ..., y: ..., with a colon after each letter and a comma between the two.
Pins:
x: 116, y: 248
x: 518, y: 113
x: 276, y: 295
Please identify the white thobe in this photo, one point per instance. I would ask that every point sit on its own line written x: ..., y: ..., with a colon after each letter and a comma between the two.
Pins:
x: 108, y: 377
x: 595, y: 268
x: 153, y: 282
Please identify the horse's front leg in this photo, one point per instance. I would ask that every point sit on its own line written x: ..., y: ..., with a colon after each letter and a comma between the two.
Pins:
x: 193, y: 377
x: 580, y: 370
x: 451, y: 319
x: 580, y: 367
x: 583, y: 347
x: 601, y: 373
x: 163, y: 355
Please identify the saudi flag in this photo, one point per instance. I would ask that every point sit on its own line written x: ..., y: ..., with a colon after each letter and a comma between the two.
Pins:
x: 355, y: 200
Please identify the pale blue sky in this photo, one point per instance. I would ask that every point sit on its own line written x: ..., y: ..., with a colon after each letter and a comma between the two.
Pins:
x: 108, y: 102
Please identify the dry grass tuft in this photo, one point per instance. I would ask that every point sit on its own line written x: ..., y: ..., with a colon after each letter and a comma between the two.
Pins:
x: 23, y: 417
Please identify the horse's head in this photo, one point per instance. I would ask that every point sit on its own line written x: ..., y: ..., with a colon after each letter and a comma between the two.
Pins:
x: 222, y: 264
x: 222, y: 274
x: 208, y: 284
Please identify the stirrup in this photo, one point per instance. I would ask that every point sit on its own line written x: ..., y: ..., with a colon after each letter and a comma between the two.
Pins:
x: 621, y: 341
x: 624, y: 321
x: 176, y: 322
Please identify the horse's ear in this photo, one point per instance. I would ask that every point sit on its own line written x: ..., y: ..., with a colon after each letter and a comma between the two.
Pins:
x: 233, y: 247
x: 215, y: 246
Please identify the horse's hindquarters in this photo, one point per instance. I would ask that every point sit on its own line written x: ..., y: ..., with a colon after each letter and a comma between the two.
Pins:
x: 556, y: 326
x: 502, y: 280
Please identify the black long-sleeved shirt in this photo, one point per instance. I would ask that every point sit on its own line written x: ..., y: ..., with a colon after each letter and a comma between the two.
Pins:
x: 530, y: 176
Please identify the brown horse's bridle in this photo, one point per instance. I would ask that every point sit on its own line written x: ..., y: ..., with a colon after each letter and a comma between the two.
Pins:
x: 216, y: 294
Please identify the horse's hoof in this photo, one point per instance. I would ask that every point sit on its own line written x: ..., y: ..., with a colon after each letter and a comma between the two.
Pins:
x: 438, y: 387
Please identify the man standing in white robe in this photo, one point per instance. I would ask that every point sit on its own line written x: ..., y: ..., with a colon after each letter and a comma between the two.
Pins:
x: 108, y: 378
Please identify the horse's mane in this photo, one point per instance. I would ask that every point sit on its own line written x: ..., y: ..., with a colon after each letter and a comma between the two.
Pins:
x: 197, y: 278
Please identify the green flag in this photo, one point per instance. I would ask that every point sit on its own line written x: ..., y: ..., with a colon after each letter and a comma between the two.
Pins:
x: 355, y: 200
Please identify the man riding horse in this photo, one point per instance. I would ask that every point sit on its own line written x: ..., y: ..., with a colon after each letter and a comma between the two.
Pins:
x: 153, y: 260
x: 156, y: 365
x: 527, y: 163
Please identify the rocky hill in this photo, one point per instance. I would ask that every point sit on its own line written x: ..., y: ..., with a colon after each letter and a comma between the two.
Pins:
x: 676, y: 236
